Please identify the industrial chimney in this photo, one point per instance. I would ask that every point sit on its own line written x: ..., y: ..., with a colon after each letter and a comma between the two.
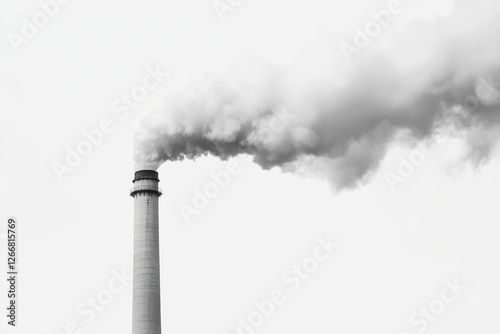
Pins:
x: 146, y: 309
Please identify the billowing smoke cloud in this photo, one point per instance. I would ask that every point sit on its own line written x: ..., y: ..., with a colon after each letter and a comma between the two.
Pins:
x: 324, y: 115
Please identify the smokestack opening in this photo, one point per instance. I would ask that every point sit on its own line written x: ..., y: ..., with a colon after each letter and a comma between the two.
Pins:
x: 145, y: 181
x: 146, y: 174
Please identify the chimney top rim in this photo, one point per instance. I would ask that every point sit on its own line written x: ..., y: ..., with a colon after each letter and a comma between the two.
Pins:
x: 146, y: 174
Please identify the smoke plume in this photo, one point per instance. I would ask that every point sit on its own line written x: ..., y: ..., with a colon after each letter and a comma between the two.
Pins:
x: 336, y: 118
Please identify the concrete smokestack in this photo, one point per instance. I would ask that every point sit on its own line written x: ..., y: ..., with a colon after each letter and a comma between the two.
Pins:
x: 146, y: 309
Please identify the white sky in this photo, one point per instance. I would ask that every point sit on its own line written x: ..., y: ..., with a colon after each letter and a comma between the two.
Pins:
x: 398, y: 246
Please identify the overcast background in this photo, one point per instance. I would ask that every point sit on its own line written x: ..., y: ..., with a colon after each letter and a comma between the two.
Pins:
x: 398, y: 244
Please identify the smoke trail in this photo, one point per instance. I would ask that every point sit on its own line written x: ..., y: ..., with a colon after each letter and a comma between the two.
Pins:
x: 327, y: 117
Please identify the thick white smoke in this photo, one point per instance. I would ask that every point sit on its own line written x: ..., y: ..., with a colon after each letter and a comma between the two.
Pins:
x: 336, y: 118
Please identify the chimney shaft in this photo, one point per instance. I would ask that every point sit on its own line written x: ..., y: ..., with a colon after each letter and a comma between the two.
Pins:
x: 146, y: 309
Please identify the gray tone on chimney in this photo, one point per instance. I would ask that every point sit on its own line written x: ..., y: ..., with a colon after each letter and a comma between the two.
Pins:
x: 146, y: 309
